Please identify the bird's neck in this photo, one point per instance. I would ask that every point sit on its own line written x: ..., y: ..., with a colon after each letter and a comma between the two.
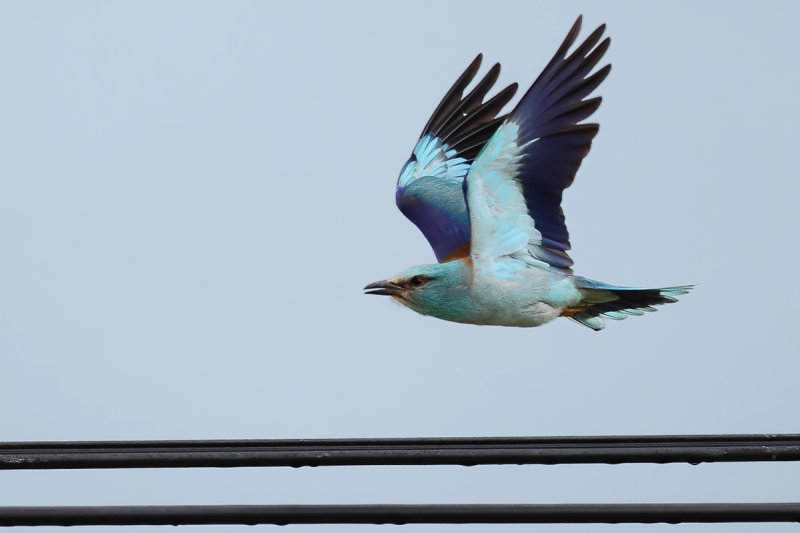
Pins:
x: 458, y: 271
x: 451, y: 297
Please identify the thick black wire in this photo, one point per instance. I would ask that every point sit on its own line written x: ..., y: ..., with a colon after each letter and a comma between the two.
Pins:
x: 424, y: 451
x: 400, y: 514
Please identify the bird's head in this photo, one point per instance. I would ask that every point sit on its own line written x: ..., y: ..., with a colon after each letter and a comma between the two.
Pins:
x: 427, y: 289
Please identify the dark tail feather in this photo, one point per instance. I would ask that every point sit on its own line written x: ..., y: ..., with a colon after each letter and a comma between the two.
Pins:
x: 608, y: 301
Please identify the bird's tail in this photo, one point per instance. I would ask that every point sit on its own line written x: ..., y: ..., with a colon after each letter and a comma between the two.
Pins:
x: 601, y: 301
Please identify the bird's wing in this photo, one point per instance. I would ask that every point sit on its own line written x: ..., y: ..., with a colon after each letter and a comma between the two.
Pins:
x: 429, y: 189
x: 514, y: 187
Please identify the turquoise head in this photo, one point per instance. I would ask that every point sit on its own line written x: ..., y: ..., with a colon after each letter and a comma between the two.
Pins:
x: 439, y: 290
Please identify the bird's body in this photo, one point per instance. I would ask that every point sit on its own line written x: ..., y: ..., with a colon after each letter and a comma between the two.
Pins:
x: 486, y: 193
x: 460, y: 291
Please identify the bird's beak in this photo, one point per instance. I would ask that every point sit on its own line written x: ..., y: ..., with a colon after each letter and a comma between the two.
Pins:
x: 385, y: 287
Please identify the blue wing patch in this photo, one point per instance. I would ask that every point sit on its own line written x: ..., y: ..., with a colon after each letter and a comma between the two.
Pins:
x: 429, y: 188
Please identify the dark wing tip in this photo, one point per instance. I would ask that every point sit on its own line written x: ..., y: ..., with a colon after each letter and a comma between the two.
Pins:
x: 471, y: 70
x: 453, y: 96
x: 576, y: 27
x: 572, y: 35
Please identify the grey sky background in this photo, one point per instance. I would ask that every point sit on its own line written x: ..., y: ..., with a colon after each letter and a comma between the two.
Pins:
x: 194, y: 194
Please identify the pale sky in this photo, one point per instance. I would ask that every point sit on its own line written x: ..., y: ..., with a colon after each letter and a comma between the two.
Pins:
x: 194, y: 194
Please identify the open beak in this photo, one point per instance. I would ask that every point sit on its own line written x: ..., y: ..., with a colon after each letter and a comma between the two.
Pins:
x: 385, y: 287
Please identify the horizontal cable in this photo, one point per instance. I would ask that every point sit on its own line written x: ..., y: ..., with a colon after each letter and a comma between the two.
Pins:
x: 423, y: 451
x: 400, y: 514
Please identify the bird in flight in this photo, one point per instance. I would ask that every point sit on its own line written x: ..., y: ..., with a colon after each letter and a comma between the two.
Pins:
x: 485, y: 190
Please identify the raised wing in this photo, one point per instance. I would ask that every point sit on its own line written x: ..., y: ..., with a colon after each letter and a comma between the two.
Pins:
x: 429, y: 189
x: 514, y: 188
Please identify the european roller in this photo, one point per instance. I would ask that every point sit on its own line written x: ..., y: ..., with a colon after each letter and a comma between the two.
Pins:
x: 486, y: 190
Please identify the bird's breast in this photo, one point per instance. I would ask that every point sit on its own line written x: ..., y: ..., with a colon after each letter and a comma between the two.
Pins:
x: 530, y: 298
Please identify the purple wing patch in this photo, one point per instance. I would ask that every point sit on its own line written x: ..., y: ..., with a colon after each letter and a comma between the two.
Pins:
x: 548, y: 117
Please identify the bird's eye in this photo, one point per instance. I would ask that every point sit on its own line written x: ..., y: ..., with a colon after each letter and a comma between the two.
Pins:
x: 417, y: 281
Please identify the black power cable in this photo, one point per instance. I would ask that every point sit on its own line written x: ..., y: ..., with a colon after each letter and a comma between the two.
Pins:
x: 400, y: 514
x: 422, y: 451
